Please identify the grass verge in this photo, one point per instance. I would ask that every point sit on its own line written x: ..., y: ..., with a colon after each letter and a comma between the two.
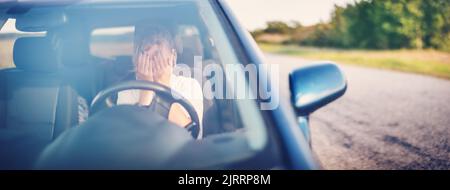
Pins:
x: 427, y: 62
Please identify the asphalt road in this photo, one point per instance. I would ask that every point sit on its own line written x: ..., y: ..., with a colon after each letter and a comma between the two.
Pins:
x: 386, y: 120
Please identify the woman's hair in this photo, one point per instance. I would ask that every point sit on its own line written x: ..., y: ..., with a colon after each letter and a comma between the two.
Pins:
x: 147, y: 36
x: 153, y: 35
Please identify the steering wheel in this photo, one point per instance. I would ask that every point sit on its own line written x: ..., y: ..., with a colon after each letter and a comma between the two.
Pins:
x: 163, y: 95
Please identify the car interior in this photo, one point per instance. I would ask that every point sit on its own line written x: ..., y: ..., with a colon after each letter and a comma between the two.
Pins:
x: 56, y: 76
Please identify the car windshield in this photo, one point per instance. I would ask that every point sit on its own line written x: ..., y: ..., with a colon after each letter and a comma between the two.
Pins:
x: 92, y: 46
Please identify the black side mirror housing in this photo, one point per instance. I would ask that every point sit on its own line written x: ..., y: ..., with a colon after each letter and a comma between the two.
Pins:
x: 314, y: 86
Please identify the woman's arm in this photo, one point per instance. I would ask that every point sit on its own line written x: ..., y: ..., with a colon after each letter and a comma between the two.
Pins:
x: 190, y: 89
x: 179, y: 115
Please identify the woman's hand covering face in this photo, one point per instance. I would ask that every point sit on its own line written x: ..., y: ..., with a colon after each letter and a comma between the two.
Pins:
x: 154, y: 64
x: 144, y: 70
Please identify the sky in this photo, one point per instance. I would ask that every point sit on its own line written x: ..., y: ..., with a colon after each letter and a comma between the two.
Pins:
x: 254, y: 14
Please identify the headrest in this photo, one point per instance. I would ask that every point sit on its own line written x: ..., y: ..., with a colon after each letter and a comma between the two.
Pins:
x: 72, y: 47
x: 35, y: 54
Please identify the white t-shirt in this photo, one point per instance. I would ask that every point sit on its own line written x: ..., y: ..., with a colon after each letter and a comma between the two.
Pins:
x: 187, y: 87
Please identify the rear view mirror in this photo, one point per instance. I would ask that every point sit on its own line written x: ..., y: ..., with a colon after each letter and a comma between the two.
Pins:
x: 314, y: 86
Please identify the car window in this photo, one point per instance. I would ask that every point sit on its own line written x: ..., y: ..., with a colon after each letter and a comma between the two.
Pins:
x: 112, y: 42
x: 8, y: 35
x: 253, y: 122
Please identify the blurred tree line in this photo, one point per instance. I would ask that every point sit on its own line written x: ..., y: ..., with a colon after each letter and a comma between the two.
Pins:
x: 373, y: 24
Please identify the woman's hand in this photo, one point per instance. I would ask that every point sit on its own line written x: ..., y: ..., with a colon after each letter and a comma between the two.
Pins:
x: 155, y: 65
x: 144, y: 71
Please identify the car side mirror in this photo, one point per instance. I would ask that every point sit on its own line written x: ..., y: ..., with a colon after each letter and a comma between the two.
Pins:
x: 314, y: 86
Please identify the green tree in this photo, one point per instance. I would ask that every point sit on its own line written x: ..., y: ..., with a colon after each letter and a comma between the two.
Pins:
x: 435, y: 24
x: 376, y: 24
x: 277, y: 27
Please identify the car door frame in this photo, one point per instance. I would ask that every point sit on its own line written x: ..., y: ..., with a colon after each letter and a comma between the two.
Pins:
x: 294, y: 145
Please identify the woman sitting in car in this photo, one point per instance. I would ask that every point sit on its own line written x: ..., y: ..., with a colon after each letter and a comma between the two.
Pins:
x: 154, y: 59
